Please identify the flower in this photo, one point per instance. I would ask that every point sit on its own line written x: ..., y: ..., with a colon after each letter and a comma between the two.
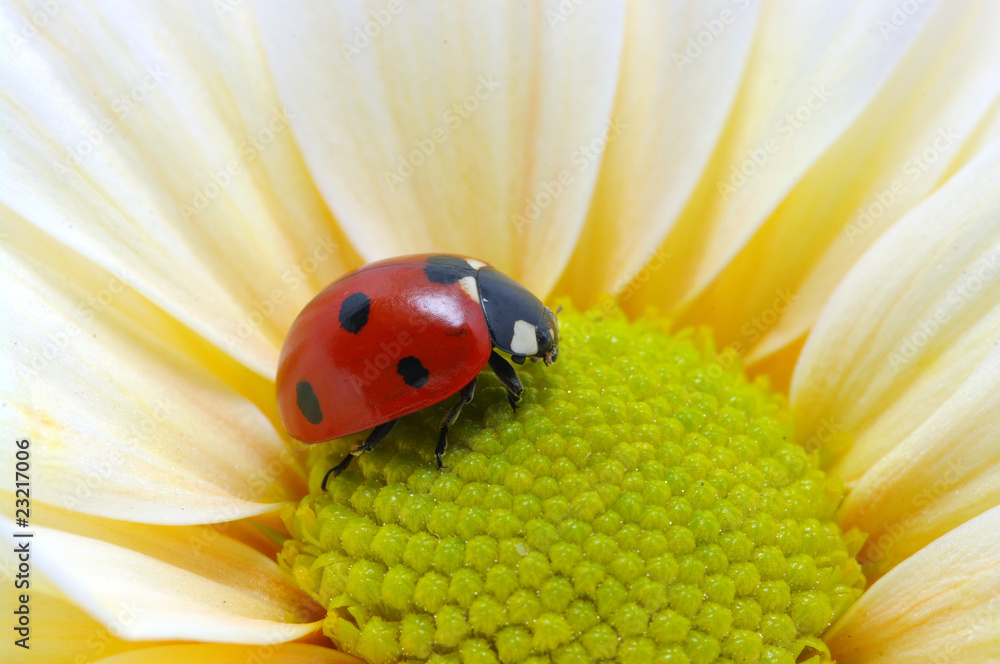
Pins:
x: 816, y: 184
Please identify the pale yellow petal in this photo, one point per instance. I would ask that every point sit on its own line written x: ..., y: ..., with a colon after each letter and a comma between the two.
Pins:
x: 681, y: 69
x: 904, y: 358
x: 149, y: 139
x: 475, y: 128
x: 934, y: 114
x: 909, y: 323
x: 283, y: 653
x: 218, y: 552
x: 124, y: 417
x: 942, y: 474
x: 940, y: 605
x: 739, y: 249
x: 166, y: 583
x: 60, y: 632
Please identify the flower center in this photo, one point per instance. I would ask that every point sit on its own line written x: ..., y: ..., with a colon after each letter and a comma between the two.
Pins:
x: 645, y: 503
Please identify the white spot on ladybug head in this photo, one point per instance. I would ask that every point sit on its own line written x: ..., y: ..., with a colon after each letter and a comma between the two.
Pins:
x: 474, y: 264
x: 524, y: 342
x: 470, y: 286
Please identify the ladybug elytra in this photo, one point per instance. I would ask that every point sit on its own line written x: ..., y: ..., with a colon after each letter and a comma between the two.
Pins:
x: 401, y: 334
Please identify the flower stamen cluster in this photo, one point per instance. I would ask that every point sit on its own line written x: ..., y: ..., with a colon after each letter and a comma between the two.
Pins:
x: 645, y: 504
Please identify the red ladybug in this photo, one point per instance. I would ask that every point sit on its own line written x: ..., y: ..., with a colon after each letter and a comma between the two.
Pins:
x: 402, y: 334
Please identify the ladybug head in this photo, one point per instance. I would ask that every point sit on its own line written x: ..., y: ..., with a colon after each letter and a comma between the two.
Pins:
x: 518, y: 321
x: 547, y: 336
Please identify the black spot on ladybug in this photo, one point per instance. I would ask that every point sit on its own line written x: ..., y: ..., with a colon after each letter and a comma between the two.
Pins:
x: 460, y: 332
x: 413, y: 372
x: 446, y: 269
x: 308, y: 403
x: 354, y: 312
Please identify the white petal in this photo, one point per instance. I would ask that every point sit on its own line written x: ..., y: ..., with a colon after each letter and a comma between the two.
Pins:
x: 942, y: 474
x: 124, y: 416
x: 159, y: 583
x: 903, y: 358
x: 939, y: 104
x: 910, y: 321
x: 821, y: 85
x: 941, y: 605
x: 681, y: 69
x: 149, y: 138
x: 61, y: 632
x: 476, y: 131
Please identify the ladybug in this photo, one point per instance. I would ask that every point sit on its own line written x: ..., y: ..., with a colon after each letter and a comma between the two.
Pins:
x: 401, y: 334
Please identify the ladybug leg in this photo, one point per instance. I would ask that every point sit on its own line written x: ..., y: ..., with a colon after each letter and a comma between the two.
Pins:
x: 336, y: 470
x: 507, y: 376
x: 465, y: 396
x: 375, y: 437
x: 369, y: 443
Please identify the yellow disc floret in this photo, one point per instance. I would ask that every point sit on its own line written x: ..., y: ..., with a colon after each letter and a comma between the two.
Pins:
x: 645, y: 504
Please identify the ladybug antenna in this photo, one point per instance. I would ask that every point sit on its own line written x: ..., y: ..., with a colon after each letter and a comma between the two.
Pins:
x: 558, y: 309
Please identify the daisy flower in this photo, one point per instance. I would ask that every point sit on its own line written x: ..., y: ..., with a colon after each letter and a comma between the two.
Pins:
x: 772, y: 433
